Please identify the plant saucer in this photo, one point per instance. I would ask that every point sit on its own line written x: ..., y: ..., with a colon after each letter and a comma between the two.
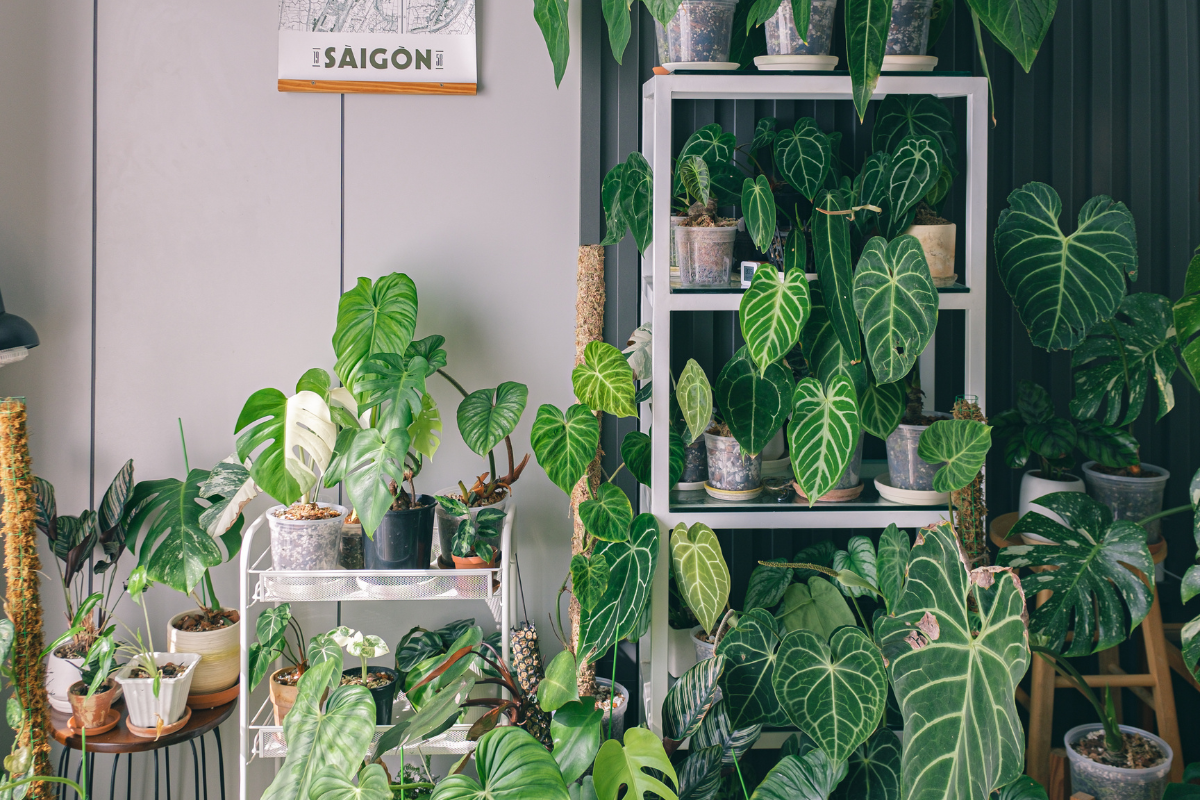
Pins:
x: 213, y: 699
x: 690, y: 486
x: 704, y: 66
x: 833, y: 495
x: 151, y: 733
x: 796, y: 63
x: 110, y: 722
x: 908, y: 64
x: 732, y: 494
x: 908, y: 497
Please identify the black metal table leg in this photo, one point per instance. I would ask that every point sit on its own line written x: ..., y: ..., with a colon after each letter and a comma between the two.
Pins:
x: 204, y: 766
x: 167, y: 769
x: 91, y: 773
x: 155, y: 775
x: 196, y: 767
x: 112, y: 781
x: 220, y: 760
x: 63, y: 764
x: 128, y: 776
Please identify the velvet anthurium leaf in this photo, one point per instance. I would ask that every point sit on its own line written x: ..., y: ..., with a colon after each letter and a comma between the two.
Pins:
x: 902, y: 115
x: 892, y: 563
x: 916, y: 164
x: 375, y: 461
x: 812, y: 776
x: 630, y: 569
x: 881, y: 407
x: 628, y: 765
x: 758, y: 208
x: 772, y: 314
x: 831, y: 251
x: 565, y: 444
x: 512, y: 765
x: 822, y: 433
x: 963, y: 736
x: 486, y: 416
x: 700, y: 774
x: 716, y: 730
x: 294, y: 433
x: 1018, y: 27
x: 866, y: 39
x: 691, y: 698
x: 637, y: 185
x: 824, y: 351
x: 697, y: 179
x: 635, y: 452
x: 608, y: 515
x: 559, y: 686
x: 873, y: 770
x: 755, y: 404
x: 749, y: 649
x: 835, y: 691
x: 589, y: 579
x: 1064, y: 285
x: 372, y: 319
x: 803, y: 156
x: 897, y: 304
x: 859, y: 558
x: 1091, y: 584
x: 604, y: 381
x: 962, y: 444
x: 712, y: 144
x: 694, y: 395
x: 815, y: 605
x: 766, y: 588
x: 1117, y: 362
x: 610, y: 190
x: 575, y: 730
x: 871, y: 189
x: 701, y: 573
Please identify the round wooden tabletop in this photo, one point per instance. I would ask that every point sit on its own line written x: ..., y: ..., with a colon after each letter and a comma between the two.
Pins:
x: 120, y: 740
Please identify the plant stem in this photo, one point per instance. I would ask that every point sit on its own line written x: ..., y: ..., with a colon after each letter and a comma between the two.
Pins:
x: 741, y: 780
x: 612, y: 693
x: 492, y: 466
x: 1167, y: 513
x: 212, y: 593
x: 186, y: 468
x: 613, y: 477
x: 364, y: 669
x: 453, y: 382
x: 1111, y: 732
x: 865, y: 623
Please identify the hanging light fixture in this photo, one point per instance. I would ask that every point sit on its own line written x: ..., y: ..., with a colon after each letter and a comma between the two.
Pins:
x: 16, y: 336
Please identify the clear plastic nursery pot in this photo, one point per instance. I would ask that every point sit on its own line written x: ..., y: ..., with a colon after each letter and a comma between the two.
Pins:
x: 305, y: 544
x: 404, y: 539
x: 701, y: 30
x: 783, y: 39
x: 729, y: 469
x: 448, y: 524
x: 674, y: 253
x: 907, y: 469
x: 621, y: 706
x: 705, y: 254
x: 1130, y: 498
x: 1114, y: 783
x: 695, y: 462
x: 908, y: 34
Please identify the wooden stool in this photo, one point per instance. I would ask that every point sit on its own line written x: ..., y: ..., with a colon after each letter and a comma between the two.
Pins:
x: 1043, y: 681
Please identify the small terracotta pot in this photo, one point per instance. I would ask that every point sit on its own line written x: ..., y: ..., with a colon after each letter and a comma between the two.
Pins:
x: 475, y: 562
x: 92, y: 712
x: 282, y: 697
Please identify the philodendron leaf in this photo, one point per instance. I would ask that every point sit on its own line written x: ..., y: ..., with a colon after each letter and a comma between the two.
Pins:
x: 1062, y: 285
x: 831, y: 251
x: 604, y: 381
x: 627, y: 766
x: 1090, y: 579
x: 758, y: 208
x: 755, y: 405
x: 610, y: 193
x: 589, y: 579
x: 803, y: 156
x: 901, y: 115
x: 767, y: 585
x: 897, y: 304
x: 511, y: 765
x: 635, y: 452
x: 559, y: 687
x: 822, y: 433
x: 962, y: 444
x: 630, y: 570
x: 298, y: 434
x: 881, y: 407
x: 332, y: 783
x: 551, y: 17
x: 575, y: 730
x: 873, y: 771
x: 772, y: 314
x: 374, y: 462
x: 607, y: 517
x: 859, y: 558
x: 700, y: 774
x: 691, y: 698
x: 867, y: 24
x: 823, y: 349
x: 371, y: 319
x: 485, y: 417
x: 833, y: 692
x: 1018, y: 27
x: 716, y: 730
x: 694, y: 395
x: 565, y: 443
x: 963, y: 736
x: 892, y: 564
x: 694, y: 173
x: 1187, y: 319
x: 637, y: 191
x: 916, y: 163
x: 749, y: 649
x: 815, y: 606
x: 700, y: 572
x: 812, y: 776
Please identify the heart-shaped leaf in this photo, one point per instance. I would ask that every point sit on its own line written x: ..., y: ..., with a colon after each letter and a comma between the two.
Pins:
x: 881, y: 407
x: 866, y: 39
x: 901, y: 115
x: 628, y: 766
x: 694, y: 173
x: 892, y: 563
x: 831, y: 251
x: 1018, y: 27
x: 485, y: 417
x: 815, y: 605
x: 635, y: 197
x: 604, y: 381
x: 575, y: 730
x: 764, y: 129
x: 1062, y: 285
x: 859, y: 558
x: 635, y: 452
x: 691, y: 698
x: 755, y: 405
x: 589, y: 579
x: 375, y: 462
x: 1090, y: 578
x: 809, y: 777
x: 871, y: 189
x: 372, y: 319
x: 700, y: 774
x: 511, y: 765
x: 710, y: 143
x: 767, y: 585
x: 758, y: 208
x: 749, y: 650
x: 694, y: 395
x: 962, y: 444
x: 607, y: 517
x: 823, y: 349
x: 803, y: 156
x: 630, y: 569
x: 833, y: 692
x: 873, y: 771
x: 332, y: 783
x: 772, y: 315
x: 565, y: 443
x: 700, y: 572
x: 916, y: 164
x: 559, y: 687
x: 897, y: 304
x: 822, y: 433
x: 610, y: 199
x: 716, y: 731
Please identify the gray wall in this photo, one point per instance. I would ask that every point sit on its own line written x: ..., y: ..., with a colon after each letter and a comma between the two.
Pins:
x: 222, y: 243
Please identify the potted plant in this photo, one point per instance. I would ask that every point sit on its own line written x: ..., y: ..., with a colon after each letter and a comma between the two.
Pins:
x: 474, y: 545
x: 786, y: 43
x: 93, y: 695
x: 704, y: 240
x: 381, y: 681
x: 272, y: 630
x: 906, y: 468
x: 702, y: 579
x: 72, y: 540
x: 937, y: 236
x: 700, y: 31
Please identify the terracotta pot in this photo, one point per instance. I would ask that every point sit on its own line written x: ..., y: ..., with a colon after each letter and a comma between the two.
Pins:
x: 221, y: 650
x: 92, y: 712
x: 282, y: 697
x: 475, y: 562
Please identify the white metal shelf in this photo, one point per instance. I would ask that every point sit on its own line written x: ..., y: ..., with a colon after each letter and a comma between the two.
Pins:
x: 956, y: 298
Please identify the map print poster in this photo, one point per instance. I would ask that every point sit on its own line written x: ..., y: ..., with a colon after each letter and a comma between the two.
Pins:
x: 381, y: 46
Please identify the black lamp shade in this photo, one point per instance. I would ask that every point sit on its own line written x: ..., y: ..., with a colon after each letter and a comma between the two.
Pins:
x: 14, y: 331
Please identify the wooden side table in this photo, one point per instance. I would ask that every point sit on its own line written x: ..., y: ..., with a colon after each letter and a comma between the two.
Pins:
x: 119, y: 741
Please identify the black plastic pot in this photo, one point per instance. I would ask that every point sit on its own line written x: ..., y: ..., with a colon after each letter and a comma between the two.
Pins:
x: 384, y: 696
x: 403, y: 540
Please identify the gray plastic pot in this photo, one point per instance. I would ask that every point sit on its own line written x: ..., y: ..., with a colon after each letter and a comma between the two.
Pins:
x: 1130, y: 498
x: 908, y: 34
x: 1114, y: 783
x: 701, y: 30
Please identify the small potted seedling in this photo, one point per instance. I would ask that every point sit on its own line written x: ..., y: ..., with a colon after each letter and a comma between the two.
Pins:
x: 473, y: 545
x: 380, y: 680
x: 704, y: 240
x: 272, y: 629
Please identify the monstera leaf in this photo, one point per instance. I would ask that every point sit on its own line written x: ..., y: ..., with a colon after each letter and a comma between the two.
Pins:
x: 963, y: 736
x: 750, y: 649
x: 962, y: 444
x: 607, y: 517
x: 901, y: 115
x: 700, y: 572
x: 694, y: 395
x: 635, y: 452
x: 485, y: 417
x: 627, y: 766
x: 897, y: 304
x: 691, y: 698
x: 716, y: 731
x: 630, y: 569
x: 812, y: 776
x: 1090, y: 554
x: 297, y: 432
x: 637, y: 189
x: 1018, y: 27
x: 822, y: 433
x: 767, y: 585
x: 873, y: 771
x: 803, y: 156
x: 824, y: 352
x: 831, y: 251
x: 565, y: 443
x: 758, y: 208
x: 1187, y: 320
x: 1062, y: 285
x: 371, y: 319
x: 512, y: 765
x: 815, y: 606
x: 772, y: 315
x: 604, y: 381
x: 833, y: 692
x: 866, y: 39
x: 755, y: 405
x: 859, y: 558
x: 892, y: 564
x: 1117, y: 362
x: 881, y: 407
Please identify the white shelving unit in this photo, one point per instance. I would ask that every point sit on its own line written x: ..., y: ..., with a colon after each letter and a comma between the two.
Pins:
x: 259, y: 737
x: 659, y: 299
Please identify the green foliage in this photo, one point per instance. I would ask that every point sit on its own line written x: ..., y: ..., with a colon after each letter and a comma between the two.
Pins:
x: 630, y: 569
x: 589, y: 579
x: 867, y: 24
x: 627, y: 765
x: 551, y: 18
x: 575, y: 730
x: 604, y: 381
x: 565, y: 444
x: 1018, y: 27
x: 767, y: 585
x: 881, y: 407
x: 371, y: 319
x: 511, y: 765
x: 691, y: 697
x: 831, y: 251
x: 1186, y: 314
x: 812, y: 776
x: 559, y: 687
x: 822, y: 434
x: 754, y: 404
x: 716, y: 731
x: 607, y: 517
x: 873, y: 770
x: 700, y: 572
x: 892, y: 564
x: 814, y: 605
x: 803, y: 156
x: 897, y: 304
x: 695, y: 398
x: 962, y: 444
x: 859, y: 558
x: 635, y: 451
x: 772, y: 314
x: 696, y: 179
x: 750, y: 651
x: 487, y: 416
x: 376, y: 459
x: 476, y: 534
x: 758, y: 208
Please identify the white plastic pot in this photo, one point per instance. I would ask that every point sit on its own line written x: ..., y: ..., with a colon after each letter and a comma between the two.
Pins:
x: 938, y: 243
x: 145, y: 710
x: 1115, y: 783
x: 1033, y: 486
x: 221, y: 650
x: 61, y: 674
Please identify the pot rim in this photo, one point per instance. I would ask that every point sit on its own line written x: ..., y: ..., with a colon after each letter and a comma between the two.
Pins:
x: 1071, y: 478
x: 1088, y: 469
x: 394, y: 674
x: 181, y: 614
x: 270, y: 513
x: 283, y: 669
x: 191, y: 659
x: 1069, y: 738
x: 432, y: 504
x: 112, y: 687
x: 622, y: 692
x: 939, y: 414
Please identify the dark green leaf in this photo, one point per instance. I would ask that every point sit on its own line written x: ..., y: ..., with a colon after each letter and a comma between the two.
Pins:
x: 767, y: 585
x: 902, y: 115
x: 565, y: 444
x: 822, y: 434
x: 897, y: 304
x: 630, y: 569
x: 636, y: 195
x: 700, y: 774
x: 754, y: 406
x: 635, y: 451
x: 559, y: 687
x: 772, y: 314
x: 892, y: 563
x: 372, y: 319
x: 873, y: 770
x: 1052, y: 439
x: 750, y: 650
x: 694, y: 173
x: 691, y: 698
x: 551, y: 17
x: 881, y: 407
x: 764, y: 129
x: 1034, y: 403
x: 809, y: 777
x: 375, y: 462
x: 511, y: 765
x: 962, y: 444
x: 803, y: 156
x: 1112, y: 447
x: 616, y: 18
x: 589, y: 578
x: 716, y: 730
x: 166, y: 532
x: 608, y: 516
x: 575, y: 729
x: 916, y: 164
x: 831, y: 250
x: 1018, y: 27
x: 867, y: 24
x: 816, y: 606
x: 1024, y: 788
x: 485, y: 417
x: 823, y: 349
x: 610, y: 190
x: 758, y: 207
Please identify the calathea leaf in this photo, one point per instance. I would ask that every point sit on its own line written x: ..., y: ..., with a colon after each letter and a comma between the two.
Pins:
x: 551, y: 17
x: 691, y: 698
x: 873, y: 771
x: 575, y: 730
x: 859, y: 558
x: 565, y: 444
x: 560, y: 686
x: 610, y: 189
x: 962, y: 444
x: 812, y: 776
x: 772, y: 314
x: 866, y: 38
x: 289, y: 427
x: 749, y: 649
x: 902, y: 115
x: 511, y: 764
x: 372, y: 319
x: 604, y: 381
x: 1062, y: 285
x: 767, y: 585
x: 822, y: 433
x: 627, y: 765
x: 1112, y: 447
x: 755, y: 405
x: 589, y: 579
x: 376, y: 461
x: 815, y: 606
x: 635, y: 451
x: 892, y: 564
x: 608, y: 515
x: 636, y: 195
x: 803, y: 156
x: 694, y: 395
x: 963, y: 736
x: 700, y: 774
x: 897, y: 304
x: 1018, y: 27
x: 630, y: 569
x: 881, y: 407
x: 916, y: 164
x: 694, y: 173
x: 700, y: 572
x: 485, y: 417
x: 112, y: 506
x: 758, y: 207
x: 716, y: 730
x: 831, y: 250
x: 1090, y: 578
x: 823, y: 349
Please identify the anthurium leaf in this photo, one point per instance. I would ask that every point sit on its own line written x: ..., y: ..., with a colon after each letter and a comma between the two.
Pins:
x: 873, y: 770
x: 1023, y: 788
x: 626, y: 765
x: 630, y: 569
x: 332, y: 783
x: 822, y: 433
x: 710, y: 143
x: 916, y: 164
x: 716, y: 730
x: 610, y: 190
x: 1187, y: 319
x: 485, y: 417
x: 166, y: 533
x: 767, y: 585
x: 859, y: 558
x: 375, y: 462
x: 697, y: 181
x: 1091, y: 579
x: 616, y: 19
x: 695, y: 398
x: 795, y: 251
x: 297, y: 432
x: 372, y: 319
x: 589, y: 579
x: 897, y: 304
x: 663, y: 10
x: 831, y: 251
x: 701, y: 573
x: 803, y: 156
x: 772, y: 314
x: 819, y: 553
x: 902, y: 115
x: 604, y: 381
x: 758, y: 208
x: 551, y: 18
x: 565, y: 443
x: 755, y: 404
x: 691, y: 698
x: 1064, y: 285
x: 892, y: 563
x: 512, y: 765
x: 559, y: 686
x: 871, y: 189
x: 749, y: 649
x: 635, y: 197
x: 816, y: 606
x: 1018, y: 27
x: 607, y: 517
x: 881, y: 407
x: 764, y: 129
x: 963, y: 737
x: 823, y: 349
x: 812, y: 776
x: 833, y: 692
x: 575, y: 730
x: 1117, y: 362
x: 700, y: 774
x: 635, y: 452
x: 866, y: 38
x: 962, y: 444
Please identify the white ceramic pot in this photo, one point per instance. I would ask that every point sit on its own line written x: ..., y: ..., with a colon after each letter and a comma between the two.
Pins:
x: 1033, y: 486
x: 61, y: 674
x: 221, y: 650
x: 681, y: 653
x: 938, y: 243
x: 145, y: 710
